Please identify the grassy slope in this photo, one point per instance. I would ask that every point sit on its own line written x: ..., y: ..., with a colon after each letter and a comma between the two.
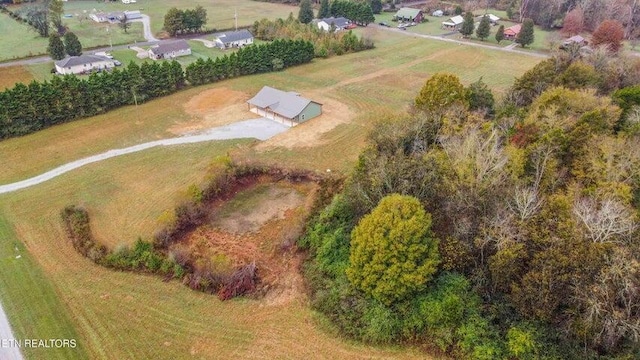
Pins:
x: 113, y: 312
x: 18, y: 39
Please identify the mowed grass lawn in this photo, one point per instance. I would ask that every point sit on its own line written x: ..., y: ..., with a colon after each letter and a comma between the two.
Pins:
x: 124, y: 315
x: 19, y: 40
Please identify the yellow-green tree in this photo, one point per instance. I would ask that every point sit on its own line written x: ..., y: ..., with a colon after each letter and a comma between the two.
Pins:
x: 441, y: 91
x: 393, y: 251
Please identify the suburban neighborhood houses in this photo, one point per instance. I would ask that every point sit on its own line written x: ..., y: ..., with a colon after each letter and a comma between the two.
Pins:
x: 170, y: 50
x: 233, y: 39
x: 83, y: 64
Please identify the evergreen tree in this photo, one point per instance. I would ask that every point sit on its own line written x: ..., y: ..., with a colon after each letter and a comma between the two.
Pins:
x: 325, y: 10
x: 306, y: 12
x: 500, y: 34
x: 457, y: 10
x: 468, y: 25
x: 525, y: 37
x: 484, y: 29
x: 376, y: 6
x: 56, y: 47
x: 72, y: 45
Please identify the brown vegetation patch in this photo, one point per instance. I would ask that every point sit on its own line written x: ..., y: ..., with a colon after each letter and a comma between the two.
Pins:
x: 214, y: 107
x: 14, y: 74
x: 258, y: 223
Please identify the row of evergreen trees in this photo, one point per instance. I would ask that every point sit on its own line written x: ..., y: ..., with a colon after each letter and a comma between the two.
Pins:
x: 28, y: 108
x: 358, y: 12
x: 254, y: 59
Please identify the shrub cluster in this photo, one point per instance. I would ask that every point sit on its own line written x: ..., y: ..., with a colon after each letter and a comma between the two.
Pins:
x: 252, y: 59
x: 327, y: 43
x: 76, y: 221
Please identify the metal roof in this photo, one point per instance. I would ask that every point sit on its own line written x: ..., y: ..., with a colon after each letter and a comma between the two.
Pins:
x: 168, y: 47
x: 458, y: 19
x: 408, y: 13
x: 233, y: 36
x: 287, y: 104
x: 81, y: 60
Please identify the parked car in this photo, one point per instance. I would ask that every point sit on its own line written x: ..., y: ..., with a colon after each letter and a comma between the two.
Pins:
x: 402, y: 27
x: 117, y: 63
x: 105, y: 54
x: 384, y: 24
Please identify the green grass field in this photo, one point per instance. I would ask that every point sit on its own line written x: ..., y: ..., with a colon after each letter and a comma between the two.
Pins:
x: 133, y: 316
x: 19, y: 40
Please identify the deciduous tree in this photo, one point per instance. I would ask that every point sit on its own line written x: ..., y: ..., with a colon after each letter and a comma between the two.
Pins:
x: 573, y: 23
x: 393, y: 251
x: 441, y: 91
x: 610, y: 34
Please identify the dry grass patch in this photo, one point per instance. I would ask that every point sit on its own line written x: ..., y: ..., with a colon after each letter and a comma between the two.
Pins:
x: 12, y: 75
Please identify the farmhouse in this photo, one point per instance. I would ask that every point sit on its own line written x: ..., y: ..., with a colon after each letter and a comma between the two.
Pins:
x: 83, y: 64
x: 170, y: 50
x: 409, y: 14
x: 287, y: 107
x: 115, y: 16
x: 577, y: 39
x: 511, y: 33
x: 453, y: 23
x: 233, y: 39
x: 339, y: 23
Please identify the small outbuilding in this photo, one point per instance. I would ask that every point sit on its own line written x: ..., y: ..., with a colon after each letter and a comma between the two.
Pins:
x: 437, y: 13
x: 453, y: 23
x: 493, y: 19
x: 575, y: 40
x: 83, y: 64
x: 170, y: 50
x: 338, y: 23
x: 511, y: 33
x: 409, y: 14
x: 231, y: 39
x: 286, y: 107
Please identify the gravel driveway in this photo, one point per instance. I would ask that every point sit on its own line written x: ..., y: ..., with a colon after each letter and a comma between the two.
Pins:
x: 261, y: 129
x: 7, y: 351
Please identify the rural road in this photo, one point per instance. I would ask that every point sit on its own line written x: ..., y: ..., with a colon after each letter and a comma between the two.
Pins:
x: 7, y: 352
x: 261, y: 129
x: 461, y: 42
x: 146, y: 25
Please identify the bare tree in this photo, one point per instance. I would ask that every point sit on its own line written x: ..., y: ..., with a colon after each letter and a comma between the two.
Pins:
x: 525, y: 202
x: 605, y: 221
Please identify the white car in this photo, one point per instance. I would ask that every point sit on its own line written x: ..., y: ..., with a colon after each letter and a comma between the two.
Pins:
x: 105, y: 54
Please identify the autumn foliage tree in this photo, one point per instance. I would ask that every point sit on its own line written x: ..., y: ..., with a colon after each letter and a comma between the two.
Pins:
x: 573, y: 22
x: 610, y: 34
x: 441, y: 91
x: 393, y: 251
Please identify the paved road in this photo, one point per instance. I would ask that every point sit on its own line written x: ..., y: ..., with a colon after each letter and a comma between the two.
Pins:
x: 462, y: 42
x: 7, y: 352
x: 261, y: 129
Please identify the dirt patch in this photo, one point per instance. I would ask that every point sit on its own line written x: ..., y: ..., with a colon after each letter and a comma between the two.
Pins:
x: 310, y: 133
x: 214, y: 107
x: 258, y: 224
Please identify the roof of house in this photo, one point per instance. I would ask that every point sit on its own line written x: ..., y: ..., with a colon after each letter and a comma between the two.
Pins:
x: 168, y: 47
x: 288, y: 104
x: 408, y: 13
x: 134, y: 14
x: 337, y: 21
x: 232, y: 36
x: 458, y: 19
x: 576, y: 39
x: 513, y: 30
x: 81, y: 60
x: 493, y: 17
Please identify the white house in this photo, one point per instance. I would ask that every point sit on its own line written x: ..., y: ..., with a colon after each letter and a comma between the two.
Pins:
x: 115, y: 16
x: 233, y: 39
x: 99, y: 17
x: 339, y: 23
x: 133, y: 14
x: 453, y: 23
x: 83, y: 64
x: 170, y: 50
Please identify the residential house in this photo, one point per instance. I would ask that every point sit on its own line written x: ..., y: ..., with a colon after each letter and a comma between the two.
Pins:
x: 577, y: 40
x: 233, y: 39
x: 170, y: 50
x: 454, y: 23
x: 83, y: 64
x: 284, y: 106
x: 511, y: 33
x: 339, y: 23
x: 409, y: 14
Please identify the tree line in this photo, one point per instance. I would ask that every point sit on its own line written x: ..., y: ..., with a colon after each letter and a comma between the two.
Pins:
x: 359, y: 12
x: 28, y: 108
x: 178, y: 21
x: 494, y: 230
x: 327, y: 43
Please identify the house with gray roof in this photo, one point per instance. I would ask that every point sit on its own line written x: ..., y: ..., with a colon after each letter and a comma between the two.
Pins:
x: 338, y: 23
x: 409, y: 14
x: 284, y: 106
x: 170, y: 50
x: 83, y: 64
x: 454, y: 23
x: 231, y: 39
